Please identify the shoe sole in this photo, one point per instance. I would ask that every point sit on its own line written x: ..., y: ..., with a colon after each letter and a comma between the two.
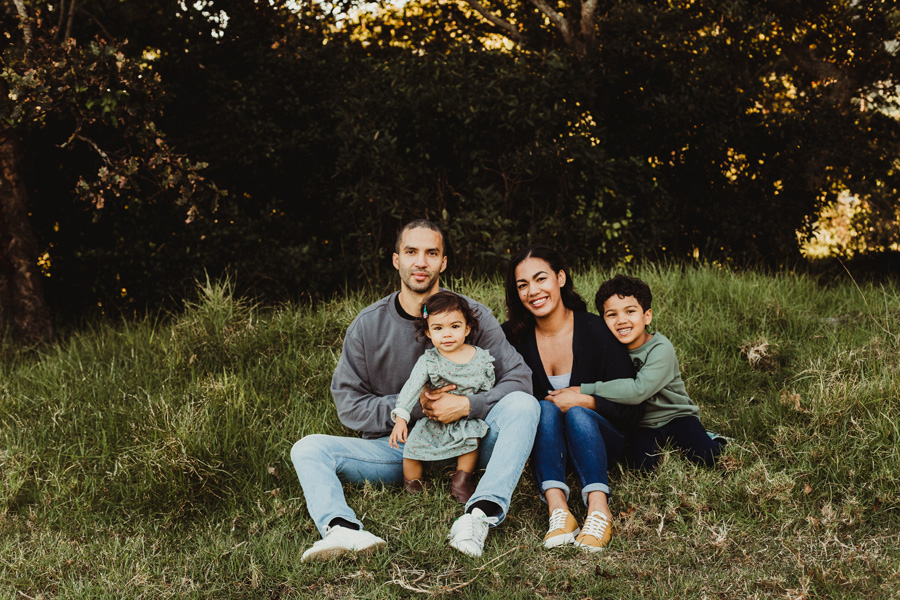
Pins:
x: 588, y: 547
x: 466, y: 552
x: 332, y: 553
x: 564, y: 539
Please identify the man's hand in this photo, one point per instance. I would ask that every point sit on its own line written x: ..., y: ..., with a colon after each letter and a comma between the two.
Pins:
x: 569, y: 397
x: 440, y: 405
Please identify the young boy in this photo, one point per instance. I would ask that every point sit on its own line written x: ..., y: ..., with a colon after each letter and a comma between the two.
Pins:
x: 669, y: 415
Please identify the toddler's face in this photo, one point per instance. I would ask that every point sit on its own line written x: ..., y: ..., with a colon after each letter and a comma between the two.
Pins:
x: 627, y: 320
x: 448, y: 331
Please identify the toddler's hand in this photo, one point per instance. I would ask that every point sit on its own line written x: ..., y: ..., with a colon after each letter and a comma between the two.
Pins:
x: 398, y: 434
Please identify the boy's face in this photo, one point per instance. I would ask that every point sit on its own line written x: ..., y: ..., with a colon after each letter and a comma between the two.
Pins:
x: 627, y: 320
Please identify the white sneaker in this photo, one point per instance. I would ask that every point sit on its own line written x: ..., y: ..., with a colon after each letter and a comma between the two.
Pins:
x: 469, y: 531
x: 339, y: 540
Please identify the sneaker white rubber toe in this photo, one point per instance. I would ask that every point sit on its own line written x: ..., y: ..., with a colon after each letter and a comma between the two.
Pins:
x: 340, y: 540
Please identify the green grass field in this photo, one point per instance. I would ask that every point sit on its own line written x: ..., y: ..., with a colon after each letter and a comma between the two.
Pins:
x: 150, y: 459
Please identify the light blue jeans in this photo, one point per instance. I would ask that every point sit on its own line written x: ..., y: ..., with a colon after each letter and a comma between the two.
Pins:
x: 325, y: 462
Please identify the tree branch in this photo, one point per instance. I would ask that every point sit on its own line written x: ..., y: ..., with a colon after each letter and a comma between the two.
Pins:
x: 62, y: 19
x: 26, y: 27
x: 70, y: 19
x: 840, y: 85
x: 60, y: 26
x: 558, y: 20
x: 588, y: 12
x: 509, y: 29
x: 98, y: 24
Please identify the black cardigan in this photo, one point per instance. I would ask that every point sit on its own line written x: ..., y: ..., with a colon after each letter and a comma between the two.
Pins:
x: 596, y: 356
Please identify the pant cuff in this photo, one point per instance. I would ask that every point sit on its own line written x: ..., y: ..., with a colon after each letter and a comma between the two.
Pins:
x: 552, y: 484
x: 594, y: 487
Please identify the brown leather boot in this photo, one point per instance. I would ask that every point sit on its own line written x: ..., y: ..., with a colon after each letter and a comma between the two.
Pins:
x: 415, y: 486
x: 462, y: 485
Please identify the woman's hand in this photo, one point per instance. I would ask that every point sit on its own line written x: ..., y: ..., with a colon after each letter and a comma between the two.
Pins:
x: 398, y: 434
x: 569, y: 397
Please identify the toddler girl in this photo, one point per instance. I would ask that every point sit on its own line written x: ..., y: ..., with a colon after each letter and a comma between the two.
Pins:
x: 447, y: 321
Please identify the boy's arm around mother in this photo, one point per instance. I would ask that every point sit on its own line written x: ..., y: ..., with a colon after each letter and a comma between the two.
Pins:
x: 652, y: 377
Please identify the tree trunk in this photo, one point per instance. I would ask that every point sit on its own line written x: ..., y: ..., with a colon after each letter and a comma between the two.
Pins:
x: 22, y: 303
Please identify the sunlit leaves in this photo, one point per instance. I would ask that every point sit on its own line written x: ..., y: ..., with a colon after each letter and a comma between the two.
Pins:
x: 111, y: 102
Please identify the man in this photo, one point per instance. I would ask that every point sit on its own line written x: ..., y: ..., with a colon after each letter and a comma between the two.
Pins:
x: 380, y: 349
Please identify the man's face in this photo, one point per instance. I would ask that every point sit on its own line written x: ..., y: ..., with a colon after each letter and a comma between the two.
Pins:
x: 420, y: 260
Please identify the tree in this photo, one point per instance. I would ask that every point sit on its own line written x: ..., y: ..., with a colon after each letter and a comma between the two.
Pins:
x: 22, y: 303
x: 667, y: 128
x: 751, y: 115
x: 574, y: 22
x: 105, y: 102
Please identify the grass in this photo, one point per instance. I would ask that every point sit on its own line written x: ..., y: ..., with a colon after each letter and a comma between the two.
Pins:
x: 150, y: 459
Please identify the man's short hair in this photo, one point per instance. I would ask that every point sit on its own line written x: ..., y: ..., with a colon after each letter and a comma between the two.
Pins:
x: 420, y: 224
x: 623, y: 286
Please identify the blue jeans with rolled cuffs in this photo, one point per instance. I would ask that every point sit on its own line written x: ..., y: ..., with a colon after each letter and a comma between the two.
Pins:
x: 582, y: 435
x: 325, y: 462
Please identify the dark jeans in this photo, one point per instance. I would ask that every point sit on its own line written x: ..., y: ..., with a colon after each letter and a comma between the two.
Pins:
x: 686, y: 434
x: 581, y: 434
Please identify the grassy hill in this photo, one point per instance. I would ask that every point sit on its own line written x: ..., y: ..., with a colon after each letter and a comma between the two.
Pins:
x: 150, y: 459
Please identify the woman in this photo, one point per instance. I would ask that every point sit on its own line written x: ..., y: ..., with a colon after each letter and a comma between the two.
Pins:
x: 566, y: 346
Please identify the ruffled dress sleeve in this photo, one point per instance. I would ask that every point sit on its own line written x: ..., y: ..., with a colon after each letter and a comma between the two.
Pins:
x: 489, y: 377
x: 409, y: 394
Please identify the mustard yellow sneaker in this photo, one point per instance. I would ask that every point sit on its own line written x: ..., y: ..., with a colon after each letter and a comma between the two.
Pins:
x: 563, y: 529
x: 596, y: 533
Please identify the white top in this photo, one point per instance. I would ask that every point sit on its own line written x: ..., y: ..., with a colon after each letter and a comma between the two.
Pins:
x: 560, y: 381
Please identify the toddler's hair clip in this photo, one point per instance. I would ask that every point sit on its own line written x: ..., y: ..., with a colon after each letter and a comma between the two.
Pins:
x: 424, y: 311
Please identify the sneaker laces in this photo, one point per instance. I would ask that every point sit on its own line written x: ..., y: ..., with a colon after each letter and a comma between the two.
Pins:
x: 558, y: 519
x: 476, y: 527
x: 595, y: 525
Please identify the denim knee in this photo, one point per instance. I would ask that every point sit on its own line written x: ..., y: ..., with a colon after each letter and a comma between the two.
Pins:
x: 579, y: 416
x: 525, y: 407
x: 584, y: 424
x: 550, y: 415
x: 310, y: 447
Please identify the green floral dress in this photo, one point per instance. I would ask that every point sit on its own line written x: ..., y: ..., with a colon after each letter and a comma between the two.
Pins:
x: 433, y: 440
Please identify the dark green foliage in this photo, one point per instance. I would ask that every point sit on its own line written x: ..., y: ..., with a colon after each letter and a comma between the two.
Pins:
x: 694, y: 128
x: 751, y: 116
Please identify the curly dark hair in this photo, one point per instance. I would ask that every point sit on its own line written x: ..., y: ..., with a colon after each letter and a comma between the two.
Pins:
x: 520, y: 318
x: 442, y: 302
x: 623, y: 286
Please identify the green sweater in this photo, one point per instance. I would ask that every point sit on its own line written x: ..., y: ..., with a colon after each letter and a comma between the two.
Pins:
x: 658, y: 384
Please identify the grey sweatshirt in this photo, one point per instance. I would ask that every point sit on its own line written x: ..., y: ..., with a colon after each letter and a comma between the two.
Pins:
x: 380, y: 350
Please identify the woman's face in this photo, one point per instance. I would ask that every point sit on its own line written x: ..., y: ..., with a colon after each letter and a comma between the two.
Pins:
x: 539, y: 287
